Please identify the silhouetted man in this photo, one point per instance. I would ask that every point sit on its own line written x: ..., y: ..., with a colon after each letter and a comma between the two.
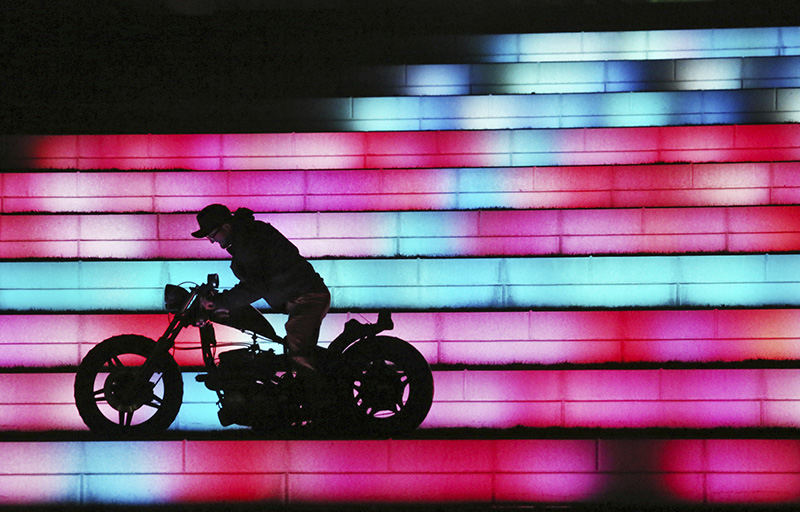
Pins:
x: 268, y: 266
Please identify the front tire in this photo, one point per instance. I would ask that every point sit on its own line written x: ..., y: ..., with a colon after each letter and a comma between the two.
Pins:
x: 389, y: 385
x: 110, y: 405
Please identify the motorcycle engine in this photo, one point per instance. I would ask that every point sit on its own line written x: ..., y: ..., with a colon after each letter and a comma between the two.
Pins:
x: 249, y: 385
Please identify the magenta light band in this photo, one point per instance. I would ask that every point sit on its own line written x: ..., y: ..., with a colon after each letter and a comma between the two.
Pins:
x: 498, y: 337
x: 713, y: 184
x: 363, y: 150
x: 502, y: 471
x: 604, y: 398
x: 448, y: 233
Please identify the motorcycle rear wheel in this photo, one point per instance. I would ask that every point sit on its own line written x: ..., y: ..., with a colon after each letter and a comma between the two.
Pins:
x: 389, y: 386
x: 110, y: 405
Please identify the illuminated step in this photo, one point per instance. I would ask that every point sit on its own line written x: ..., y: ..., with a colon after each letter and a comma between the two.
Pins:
x: 681, y: 184
x: 405, y: 150
x: 439, y: 233
x: 611, y: 45
x: 589, y: 76
x: 474, y: 337
x: 579, y: 398
x: 544, y: 282
x: 491, y: 471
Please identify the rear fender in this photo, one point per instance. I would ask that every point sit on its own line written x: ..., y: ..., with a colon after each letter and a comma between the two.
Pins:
x: 355, y: 330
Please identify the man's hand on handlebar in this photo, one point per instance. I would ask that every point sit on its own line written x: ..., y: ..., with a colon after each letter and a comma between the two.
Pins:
x: 206, y: 303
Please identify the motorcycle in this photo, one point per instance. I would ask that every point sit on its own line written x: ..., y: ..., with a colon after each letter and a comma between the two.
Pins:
x: 131, y: 384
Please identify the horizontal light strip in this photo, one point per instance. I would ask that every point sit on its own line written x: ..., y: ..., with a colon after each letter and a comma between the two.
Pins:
x: 448, y: 233
x: 578, y: 77
x: 403, y: 150
x: 531, y: 337
x: 682, y: 184
x: 634, y: 45
x: 602, y: 282
x: 707, y: 398
x: 501, y: 471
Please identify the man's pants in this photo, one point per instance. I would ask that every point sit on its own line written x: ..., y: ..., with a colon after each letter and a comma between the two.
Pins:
x: 302, y: 328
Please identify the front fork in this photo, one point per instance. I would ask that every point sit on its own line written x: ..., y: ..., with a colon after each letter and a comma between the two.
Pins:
x: 150, y: 365
x: 208, y: 342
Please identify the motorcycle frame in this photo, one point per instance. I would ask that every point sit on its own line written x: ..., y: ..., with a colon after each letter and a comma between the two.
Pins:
x: 167, y: 340
x: 354, y: 330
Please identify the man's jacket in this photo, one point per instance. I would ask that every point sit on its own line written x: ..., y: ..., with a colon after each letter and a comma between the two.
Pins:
x: 267, y: 264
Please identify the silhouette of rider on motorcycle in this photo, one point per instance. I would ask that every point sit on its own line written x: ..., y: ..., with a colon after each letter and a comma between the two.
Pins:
x: 268, y: 266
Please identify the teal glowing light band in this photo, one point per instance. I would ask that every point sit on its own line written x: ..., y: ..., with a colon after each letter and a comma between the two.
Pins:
x: 601, y: 282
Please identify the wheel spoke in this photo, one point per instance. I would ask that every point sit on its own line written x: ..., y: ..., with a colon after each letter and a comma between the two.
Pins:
x: 155, y: 402
x: 125, y: 418
x: 115, y: 362
x: 99, y: 395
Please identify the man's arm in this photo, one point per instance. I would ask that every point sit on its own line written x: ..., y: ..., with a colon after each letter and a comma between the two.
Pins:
x: 238, y: 296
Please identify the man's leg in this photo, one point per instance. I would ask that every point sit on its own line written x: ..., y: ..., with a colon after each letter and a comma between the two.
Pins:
x: 302, y: 333
x: 302, y: 328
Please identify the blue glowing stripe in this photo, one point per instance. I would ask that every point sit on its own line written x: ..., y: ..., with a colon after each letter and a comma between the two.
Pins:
x: 613, y: 281
x: 591, y: 76
x: 661, y: 108
x: 633, y: 45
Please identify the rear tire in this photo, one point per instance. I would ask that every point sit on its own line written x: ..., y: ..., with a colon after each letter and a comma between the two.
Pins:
x: 388, y: 387
x: 109, y: 406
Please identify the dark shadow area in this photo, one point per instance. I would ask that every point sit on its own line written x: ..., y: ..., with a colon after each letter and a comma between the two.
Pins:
x: 92, y: 66
x: 420, y: 434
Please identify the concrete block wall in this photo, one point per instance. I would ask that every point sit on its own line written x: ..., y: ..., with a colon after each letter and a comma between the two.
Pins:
x: 502, y: 472
x: 694, y: 398
x: 455, y: 339
x: 617, y: 247
x: 423, y: 233
x: 464, y: 188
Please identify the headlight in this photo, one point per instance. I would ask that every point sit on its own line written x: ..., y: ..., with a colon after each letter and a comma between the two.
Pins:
x: 174, y: 297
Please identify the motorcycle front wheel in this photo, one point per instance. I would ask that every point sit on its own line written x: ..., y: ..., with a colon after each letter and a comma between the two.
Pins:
x: 112, y: 396
x: 389, y: 388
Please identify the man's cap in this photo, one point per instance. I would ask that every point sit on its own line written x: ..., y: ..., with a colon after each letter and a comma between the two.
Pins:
x: 210, y: 218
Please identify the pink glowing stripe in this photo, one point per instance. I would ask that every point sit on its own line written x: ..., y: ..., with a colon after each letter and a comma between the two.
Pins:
x: 696, y: 398
x: 360, y: 150
x: 737, y: 471
x: 616, y: 399
x: 748, y: 183
x: 548, y: 337
x: 449, y: 233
